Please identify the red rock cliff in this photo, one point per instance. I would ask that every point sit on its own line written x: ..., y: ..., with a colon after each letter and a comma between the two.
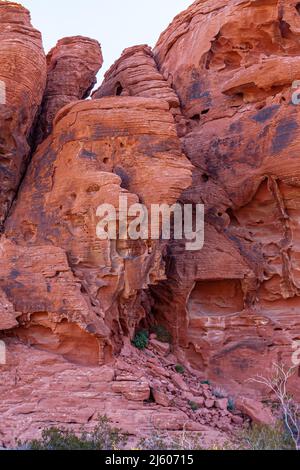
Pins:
x: 206, y: 117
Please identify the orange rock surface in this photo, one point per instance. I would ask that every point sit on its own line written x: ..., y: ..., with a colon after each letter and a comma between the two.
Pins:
x: 206, y: 117
x: 72, y: 66
x: 236, y: 303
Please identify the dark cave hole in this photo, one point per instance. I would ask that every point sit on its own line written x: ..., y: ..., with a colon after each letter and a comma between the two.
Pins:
x: 196, y: 117
x: 119, y: 89
x: 233, y: 219
x: 205, y: 111
x: 298, y: 7
x: 205, y: 177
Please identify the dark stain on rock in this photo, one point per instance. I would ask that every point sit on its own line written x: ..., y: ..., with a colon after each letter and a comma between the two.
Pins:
x: 236, y: 127
x: 124, y: 177
x: 88, y: 155
x: 285, y: 134
x: 14, y: 274
x: 266, y: 113
x: 66, y: 137
x: 264, y: 132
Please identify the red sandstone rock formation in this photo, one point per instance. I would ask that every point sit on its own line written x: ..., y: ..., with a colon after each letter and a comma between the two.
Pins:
x: 72, y: 66
x: 237, y: 301
x: 23, y: 73
x: 220, y: 79
x: 123, y: 145
x: 135, y: 73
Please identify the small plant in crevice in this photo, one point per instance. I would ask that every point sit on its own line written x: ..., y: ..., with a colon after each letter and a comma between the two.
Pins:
x: 205, y: 382
x: 231, y: 404
x: 179, y: 369
x: 193, y: 405
x: 162, y: 333
x: 219, y: 392
x: 141, y: 339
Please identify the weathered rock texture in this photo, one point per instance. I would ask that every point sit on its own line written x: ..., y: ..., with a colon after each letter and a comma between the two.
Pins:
x: 122, y: 146
x: 205, y: 117
x: 72, y: 66
x: 23, y: 72
x: 135, y: 73
x: 38, y: 387
x: 234, y: 306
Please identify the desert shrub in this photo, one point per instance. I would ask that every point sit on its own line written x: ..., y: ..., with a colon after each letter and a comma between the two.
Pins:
x: 218, y: 392
x: 103, y: 437
x: 266, y: 438
x: 289, y: 408
x: 141, y: 339
x: 231, y: 404
x: 205, y: 382
x: 180, y: 369
x: 162, y: 334
x: 193, y: 406
x: 182, y: 441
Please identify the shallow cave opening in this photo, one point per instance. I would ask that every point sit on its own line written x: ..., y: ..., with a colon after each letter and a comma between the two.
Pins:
x: 215, y: 298
x: 119, y: 89
x: 298, y: 7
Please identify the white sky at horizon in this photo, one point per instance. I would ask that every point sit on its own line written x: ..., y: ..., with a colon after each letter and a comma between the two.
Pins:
x: 116, y: 24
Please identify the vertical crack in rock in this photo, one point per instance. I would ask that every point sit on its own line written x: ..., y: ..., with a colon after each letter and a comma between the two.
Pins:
x: 289, y: 287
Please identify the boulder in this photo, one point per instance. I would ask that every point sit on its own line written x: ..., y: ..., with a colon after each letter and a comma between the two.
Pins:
x: 258, y: 413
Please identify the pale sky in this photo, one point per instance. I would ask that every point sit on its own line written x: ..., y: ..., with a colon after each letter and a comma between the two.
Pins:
x: 116, y: 24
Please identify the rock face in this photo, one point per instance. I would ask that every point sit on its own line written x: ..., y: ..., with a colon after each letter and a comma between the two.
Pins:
x: 72, y: 66
x: 206, y: 117
x: 237, y: 301
x: 77, y: 169
x: 135, y: 73
x: 23, y: 77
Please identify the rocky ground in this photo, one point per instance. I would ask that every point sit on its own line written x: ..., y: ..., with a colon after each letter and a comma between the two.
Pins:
x: 141, y: 392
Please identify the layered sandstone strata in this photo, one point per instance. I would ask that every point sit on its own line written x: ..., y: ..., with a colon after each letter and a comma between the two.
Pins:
x: 23, y: 77
x: 126, y: 146
x: 212, y: 99
x: 237, y: 301
x: 72, y: 66
x: 136, y: 73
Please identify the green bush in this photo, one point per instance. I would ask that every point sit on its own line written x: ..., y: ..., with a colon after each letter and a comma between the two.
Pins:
x: 193, y: 405
x: 218, y: 392
x: 231, y: 404
x: 205, y: 382
x: 162, y: 334
x: 182, y: 441
x: 103, y: 437
x: 266, y: 438
x: 141, y: 339
x: 180, y: 369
